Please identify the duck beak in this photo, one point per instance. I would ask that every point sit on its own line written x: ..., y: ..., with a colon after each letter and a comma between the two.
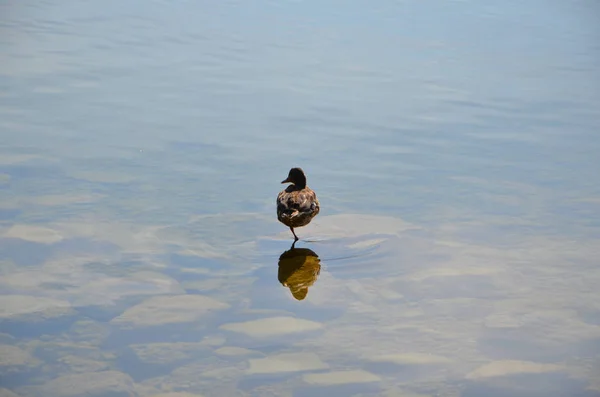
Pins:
x: 287, y: 180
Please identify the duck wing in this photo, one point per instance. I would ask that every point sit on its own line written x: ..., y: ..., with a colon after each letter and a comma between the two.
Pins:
x: 297, y: 201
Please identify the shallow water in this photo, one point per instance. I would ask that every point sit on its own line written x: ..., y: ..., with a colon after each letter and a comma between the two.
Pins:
x: 453, y: 146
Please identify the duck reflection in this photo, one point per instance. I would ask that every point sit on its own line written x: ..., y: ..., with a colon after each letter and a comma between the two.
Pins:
x: 298, y: 270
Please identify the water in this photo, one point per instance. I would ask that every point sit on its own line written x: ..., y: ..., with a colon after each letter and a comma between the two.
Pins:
x: 453, y: 146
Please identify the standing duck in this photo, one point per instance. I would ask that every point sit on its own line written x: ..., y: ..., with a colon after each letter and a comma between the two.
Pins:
x: 297, y: 204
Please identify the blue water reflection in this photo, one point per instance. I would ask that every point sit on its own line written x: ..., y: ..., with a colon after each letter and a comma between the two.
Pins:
x: 453, y: 147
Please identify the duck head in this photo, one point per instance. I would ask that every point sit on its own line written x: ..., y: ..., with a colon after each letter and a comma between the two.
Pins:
x: 297, y: 177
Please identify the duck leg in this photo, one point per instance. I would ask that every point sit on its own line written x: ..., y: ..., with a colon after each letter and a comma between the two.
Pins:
x: 295, y: 237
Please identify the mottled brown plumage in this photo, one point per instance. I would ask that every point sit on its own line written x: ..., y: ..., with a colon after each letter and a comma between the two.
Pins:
x: 297, y: 205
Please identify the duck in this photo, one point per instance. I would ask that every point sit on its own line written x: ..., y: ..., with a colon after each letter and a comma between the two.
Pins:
x: 297, y: 204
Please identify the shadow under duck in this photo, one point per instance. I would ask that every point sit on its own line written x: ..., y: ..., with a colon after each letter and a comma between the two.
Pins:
x: 299, y: 269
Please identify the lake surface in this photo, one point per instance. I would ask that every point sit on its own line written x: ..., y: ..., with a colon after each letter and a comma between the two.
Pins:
x: 454, y: 147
